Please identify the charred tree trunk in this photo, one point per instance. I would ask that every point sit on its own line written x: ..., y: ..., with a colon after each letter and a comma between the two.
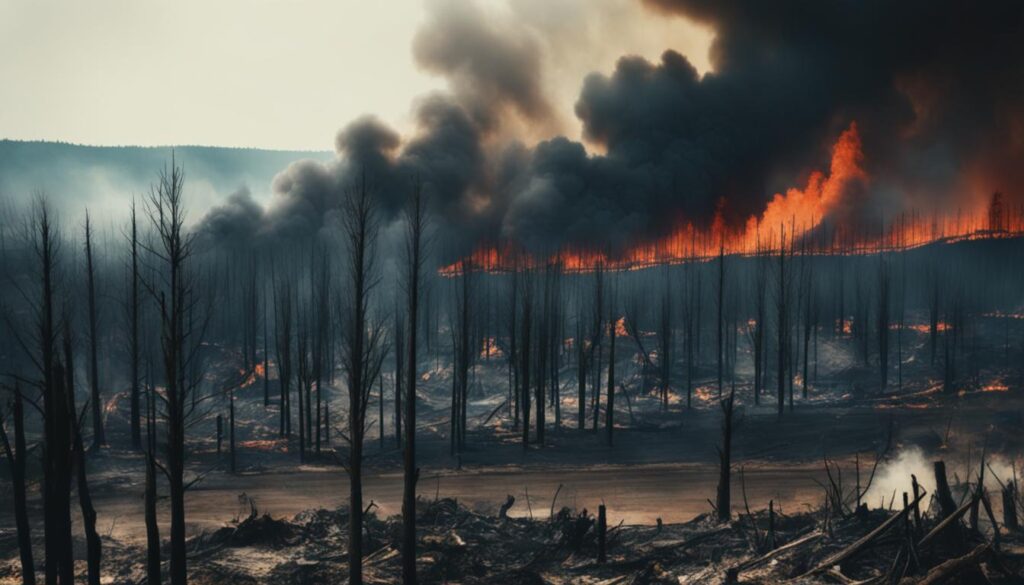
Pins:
x: 175, y: 302
x: 723, y: 503
x: 57, y: 450
x: 153, y: 573
x: 783, y: 335
x: 414, y: 242
x: 363, y: 353
x: 719, y: 347
x: 665, y: 339
x: 93, y: 545
x: 99, y: 437
x: 134, y: 346
x: 524, y: 373
x: 609, y: 422
x: 581, y: 377
x: 16, y: 458
x: 513, y: 355
x: 399, y: 372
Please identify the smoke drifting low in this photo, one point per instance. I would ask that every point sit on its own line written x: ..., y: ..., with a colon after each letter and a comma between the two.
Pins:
x: 935, y: 89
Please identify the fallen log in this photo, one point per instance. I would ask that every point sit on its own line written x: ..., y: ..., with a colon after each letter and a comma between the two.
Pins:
x: 857, y: 546
x: 810, y: 537
x: 941, y: 572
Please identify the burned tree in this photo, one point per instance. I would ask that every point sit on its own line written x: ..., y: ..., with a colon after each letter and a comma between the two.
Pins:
x: 153, y: 572
x: 462, y: 349
x: 665, y: 335
x: 723, y: 501
x: 176, y: 296
x: 99, y: 438
x: 415, y: 222
x: 283, y: 347
x: 399, y: 351
x: 524, y: 354
x: 133, y: 308
x: 883, y: 321
x: 609, y: 423
x: 94, y: 547
x: 16, y: 459
x: 362, y: 350
x: 782, y: 322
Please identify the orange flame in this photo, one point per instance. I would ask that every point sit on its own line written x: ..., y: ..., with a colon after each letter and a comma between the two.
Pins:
x: 786, y: 219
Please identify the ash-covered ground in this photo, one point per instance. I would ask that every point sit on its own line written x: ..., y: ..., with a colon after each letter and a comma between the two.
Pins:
x: 279, y: 520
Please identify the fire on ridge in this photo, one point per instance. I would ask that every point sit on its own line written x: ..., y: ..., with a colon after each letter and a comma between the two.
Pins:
x: 798, y: 220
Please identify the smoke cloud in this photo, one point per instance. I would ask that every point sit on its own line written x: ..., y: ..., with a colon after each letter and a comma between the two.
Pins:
x: 935, y: 90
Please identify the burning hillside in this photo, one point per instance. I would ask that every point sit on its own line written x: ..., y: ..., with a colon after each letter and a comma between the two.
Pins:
x: 815, y: 219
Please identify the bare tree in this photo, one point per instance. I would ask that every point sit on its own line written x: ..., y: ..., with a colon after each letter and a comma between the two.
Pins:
x: 362, y: 352
x: 153, y: 571
x: 99, y: 437
x: 415, y: 222
x: 94, y: 546
x: 883, y: 321
x: 723, y: 503
x: 283, y: 347
x: 524, y: 354
x: 16, y: 458
x: 665, y: 338
x: 176, y: 296
x: 609, y: 422
x: 133, y: 310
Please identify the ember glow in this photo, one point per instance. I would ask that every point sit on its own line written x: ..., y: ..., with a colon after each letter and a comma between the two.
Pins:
x: 804, y: 220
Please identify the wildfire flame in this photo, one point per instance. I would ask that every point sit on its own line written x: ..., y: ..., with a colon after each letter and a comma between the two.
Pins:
x: 798, y: 215
x: 258, y: 371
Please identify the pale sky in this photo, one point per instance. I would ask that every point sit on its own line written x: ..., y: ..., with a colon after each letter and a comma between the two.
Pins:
x: 273, y: 73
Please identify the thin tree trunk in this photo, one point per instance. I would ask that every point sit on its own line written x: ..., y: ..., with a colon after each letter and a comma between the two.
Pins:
x: 16, y: 457
x: 99, y: 437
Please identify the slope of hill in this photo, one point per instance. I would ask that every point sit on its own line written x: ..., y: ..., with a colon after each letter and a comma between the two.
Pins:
x: 104, y: 178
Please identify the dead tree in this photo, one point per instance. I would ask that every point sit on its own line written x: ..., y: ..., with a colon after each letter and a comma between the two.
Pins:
x: 16, y: 458
x: 283, y: 348
x: 321, y: 359
x: 266, y: 356
x: 99, y: 437
x: 525, y: 353
x: 362, y: 352
x: 665, y: 339
x: 303, y: 381
x: 462, y: 346
x: 153, y: 572
x: 609, y: 423
x: 782, y: 321
x: 809, y: 316
x: 720, y: 290
x: 760, y: 314
x: 399, y: 350
x: 176, y: 296
x: 513, y: 334
x: 134, y: 307
x: 581, y: 373
x: 94, y: 547
x: 44, y: 242
x: 543, y: 347
x: 555, y: 347
x: 415, y: 222
x: 598, y: 330
x: 723, y: 503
